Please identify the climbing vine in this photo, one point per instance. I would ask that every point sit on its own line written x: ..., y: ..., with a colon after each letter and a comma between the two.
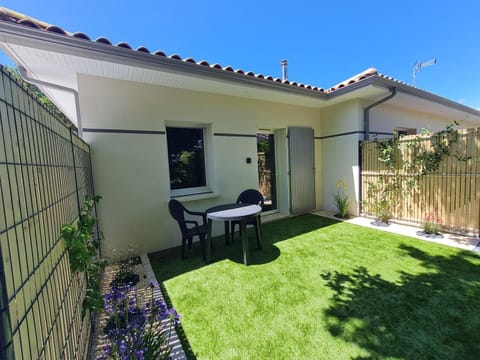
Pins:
x: 404, y: 163
x: 83, y: 253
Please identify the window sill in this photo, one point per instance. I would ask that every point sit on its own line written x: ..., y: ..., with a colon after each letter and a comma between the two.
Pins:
x: 194, y: 197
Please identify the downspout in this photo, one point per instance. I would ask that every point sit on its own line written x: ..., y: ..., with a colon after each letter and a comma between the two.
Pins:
x: 24, y: 75
x: 366, y: 136
x: 366, y: 112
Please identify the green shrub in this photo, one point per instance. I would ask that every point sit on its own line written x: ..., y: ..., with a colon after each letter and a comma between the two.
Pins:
x: 342, y: 201
x: 432, y: 223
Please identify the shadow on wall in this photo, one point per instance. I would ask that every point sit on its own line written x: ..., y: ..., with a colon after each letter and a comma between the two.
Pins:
x: 432, y: 315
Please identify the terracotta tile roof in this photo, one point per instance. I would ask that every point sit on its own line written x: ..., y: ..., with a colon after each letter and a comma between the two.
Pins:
x: 21, y: 19
x: 354, y: 79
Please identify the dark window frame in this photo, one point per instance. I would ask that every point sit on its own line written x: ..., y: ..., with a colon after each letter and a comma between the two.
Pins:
x: 181, y: 149
x: 404, y: 131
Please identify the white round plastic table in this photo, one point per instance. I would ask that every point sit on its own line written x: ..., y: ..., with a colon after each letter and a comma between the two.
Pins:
x: 233, y: 212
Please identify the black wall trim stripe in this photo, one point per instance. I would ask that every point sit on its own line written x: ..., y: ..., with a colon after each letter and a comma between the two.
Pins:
x: 158, y: 132
x: 234, y: 135
x: 340, y: 134
x: 124, y: 131
x: 352, y: 133
x: 380, y: 133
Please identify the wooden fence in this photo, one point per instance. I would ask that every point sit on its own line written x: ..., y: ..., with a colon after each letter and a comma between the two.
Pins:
x: 450, y: 194
x: 45, y: 173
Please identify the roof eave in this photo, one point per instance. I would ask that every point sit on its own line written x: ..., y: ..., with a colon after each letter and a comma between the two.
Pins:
x: 50, y: 41
x: 410, y: 90
x: 25, y: 36
x: 352, y: 87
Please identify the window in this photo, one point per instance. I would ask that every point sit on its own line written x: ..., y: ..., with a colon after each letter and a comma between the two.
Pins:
x: 186, y: 158
x: 402, y: 131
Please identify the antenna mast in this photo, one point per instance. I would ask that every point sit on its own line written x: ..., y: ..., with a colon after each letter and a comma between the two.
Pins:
x: 418, y: 66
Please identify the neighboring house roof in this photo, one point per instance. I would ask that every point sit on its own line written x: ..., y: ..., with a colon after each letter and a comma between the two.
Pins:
x: 368, y: 77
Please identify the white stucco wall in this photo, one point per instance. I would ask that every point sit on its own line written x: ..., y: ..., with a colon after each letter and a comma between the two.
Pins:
x: 339, y: 150
x: 131, y: 170
x: 340, y: 153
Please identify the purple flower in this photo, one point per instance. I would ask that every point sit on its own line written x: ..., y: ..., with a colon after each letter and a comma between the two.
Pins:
x: 174, y: 316
x: 132, y: 305
x: 139, y: 354
x: 132, y: 322
x: 107, y: 349
x: 122, y: 347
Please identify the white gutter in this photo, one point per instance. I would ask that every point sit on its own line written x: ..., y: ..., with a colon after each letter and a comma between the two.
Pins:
x: 24, y: 75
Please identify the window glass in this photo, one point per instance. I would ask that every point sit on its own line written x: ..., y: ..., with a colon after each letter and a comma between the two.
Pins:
x: 186, y: 157
x: 402, y: 131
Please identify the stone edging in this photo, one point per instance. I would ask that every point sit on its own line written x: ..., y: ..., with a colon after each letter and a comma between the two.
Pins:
x: 177, y: 351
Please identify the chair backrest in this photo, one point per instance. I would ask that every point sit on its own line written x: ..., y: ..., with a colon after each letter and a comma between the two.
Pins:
x: 250, y: 196
x: 177, y: 210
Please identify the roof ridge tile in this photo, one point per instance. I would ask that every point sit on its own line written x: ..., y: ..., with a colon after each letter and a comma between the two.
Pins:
x: 81, y: 35
x: 103, y: 40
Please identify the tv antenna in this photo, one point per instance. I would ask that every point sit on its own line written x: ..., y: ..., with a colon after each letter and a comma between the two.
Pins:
x: 419, y: 65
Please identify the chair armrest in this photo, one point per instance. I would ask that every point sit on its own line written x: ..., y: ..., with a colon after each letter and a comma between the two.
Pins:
x: 198, y: 213
x: 192, y: 222
x: 194, y: 212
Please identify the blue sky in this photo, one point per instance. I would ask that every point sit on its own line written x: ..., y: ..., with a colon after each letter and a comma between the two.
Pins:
x: 324, y: 42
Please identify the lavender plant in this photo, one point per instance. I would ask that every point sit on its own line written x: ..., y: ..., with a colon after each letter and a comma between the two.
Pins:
x: 137, y: 332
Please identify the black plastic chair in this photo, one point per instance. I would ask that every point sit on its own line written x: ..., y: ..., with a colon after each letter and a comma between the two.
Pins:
x: 178, y: 211
x: 253, y: 197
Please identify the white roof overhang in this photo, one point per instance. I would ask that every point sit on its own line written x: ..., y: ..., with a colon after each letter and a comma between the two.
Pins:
x: 59, y: 59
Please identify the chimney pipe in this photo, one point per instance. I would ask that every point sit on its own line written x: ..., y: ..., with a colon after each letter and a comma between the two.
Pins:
x: 284, y: 64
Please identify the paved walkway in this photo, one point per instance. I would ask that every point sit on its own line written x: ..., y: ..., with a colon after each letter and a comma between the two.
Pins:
x: 471, y: 243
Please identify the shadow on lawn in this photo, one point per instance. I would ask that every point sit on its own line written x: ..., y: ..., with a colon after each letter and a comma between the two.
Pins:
x: 168, y: 263
x: 432, y: 315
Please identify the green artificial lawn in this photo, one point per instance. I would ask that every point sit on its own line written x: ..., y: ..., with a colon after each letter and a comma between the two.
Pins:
x: 322, y: 289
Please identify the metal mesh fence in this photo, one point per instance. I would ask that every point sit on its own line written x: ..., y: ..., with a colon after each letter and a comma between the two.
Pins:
x: 45, y: 173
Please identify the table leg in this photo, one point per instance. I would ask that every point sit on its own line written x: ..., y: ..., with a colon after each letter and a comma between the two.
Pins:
x: 243, y: 227
x: 259, y: 232
x: 209, y: 241
x: 227, y: 232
